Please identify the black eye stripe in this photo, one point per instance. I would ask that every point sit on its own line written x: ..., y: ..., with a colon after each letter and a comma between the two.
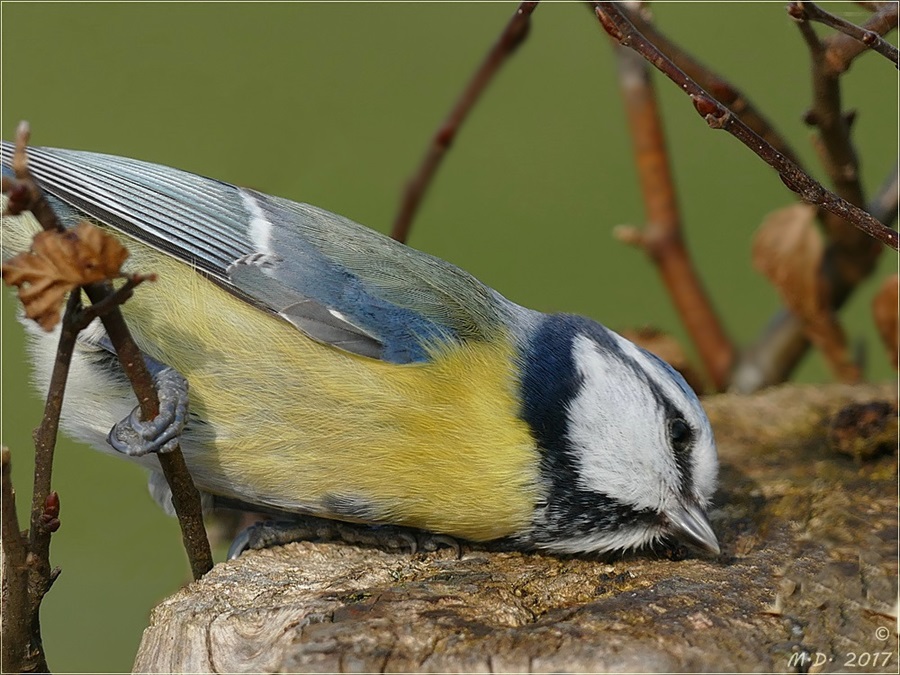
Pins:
x: 681, y: 448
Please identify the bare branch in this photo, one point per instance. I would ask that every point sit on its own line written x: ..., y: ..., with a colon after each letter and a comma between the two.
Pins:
x: 783, y: 343
x: 119, y: 297
x: 512, y: 36
x: 661, y: 238
x: 853, y: 257
x: 719, y: 117
x: 852, y: 254
x: 22, y: 646
x: 24, y: 194
x: 810, y: 11
x: 724, y: 91
x: 185, y: 497
x: 44, y: 448
x: 850, y: 257
x: 26, y: 648
x: 843, y: 49
x: 21, y: 649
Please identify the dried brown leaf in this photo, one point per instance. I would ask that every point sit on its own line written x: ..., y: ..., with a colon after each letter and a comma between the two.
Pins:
x: 59, y: 262
x: 885, y: 312
x: 788, y: 250
x: 669, y: 350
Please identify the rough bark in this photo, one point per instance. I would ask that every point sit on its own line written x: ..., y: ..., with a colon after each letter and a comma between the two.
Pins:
x: 807, y: 577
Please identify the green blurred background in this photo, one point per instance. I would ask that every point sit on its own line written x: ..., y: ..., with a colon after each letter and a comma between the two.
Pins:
x: 332, y: 104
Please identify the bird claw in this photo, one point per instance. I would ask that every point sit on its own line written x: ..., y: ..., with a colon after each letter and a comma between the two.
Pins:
x: 279, y: 532
x: 134, y: 437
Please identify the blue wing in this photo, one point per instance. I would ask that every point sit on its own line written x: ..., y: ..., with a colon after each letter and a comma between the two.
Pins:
x: 338, y: 282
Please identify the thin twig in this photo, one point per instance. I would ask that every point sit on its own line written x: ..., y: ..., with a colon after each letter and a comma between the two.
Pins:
x: 512, y: 36
x: 662, y: 238
x: 852, y: 254
x: 719, y: 117
x: 843, y: 49
x: 40, y: 573
x: 21, y: 649
x: 860, y: 261
x: 849, y: 256
x: 185, y: 497
x: 27, y: 196
x: 723, y: 90
x: 783, y: 342
x: 119, y: 296
x: 810, y: 11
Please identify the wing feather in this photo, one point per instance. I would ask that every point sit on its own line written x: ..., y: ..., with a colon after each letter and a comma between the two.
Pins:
x: 338, y: 282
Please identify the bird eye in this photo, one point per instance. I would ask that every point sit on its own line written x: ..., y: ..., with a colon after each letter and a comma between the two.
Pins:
x: 680, y: 434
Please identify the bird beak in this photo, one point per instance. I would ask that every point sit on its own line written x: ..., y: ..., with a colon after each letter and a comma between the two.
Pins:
x: 690, y: 524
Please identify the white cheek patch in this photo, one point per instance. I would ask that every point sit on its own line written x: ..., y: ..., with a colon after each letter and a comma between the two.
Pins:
x: 618, y: 433
x: 704, y: 459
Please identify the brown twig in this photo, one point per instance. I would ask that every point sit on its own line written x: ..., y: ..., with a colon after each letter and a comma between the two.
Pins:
x: 810, y: 11
x: 719, y: 117
x: 21, y: 649
x: 843, y: 49
x: 662, y: 237
x: 861, y: 260
x: 44, y: 447
x: 512, y: 36
x: 40, y: 573
x: 185, y: 497
x: 851, y: 253
x: 723, y: 90
x: 783, y: 342
x: 26, y: 195
x: 849, y: 257
x: 119, y: 296
x: 25, y: 649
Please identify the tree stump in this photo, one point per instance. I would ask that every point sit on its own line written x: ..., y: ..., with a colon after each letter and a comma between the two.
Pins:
x: 807, y: 580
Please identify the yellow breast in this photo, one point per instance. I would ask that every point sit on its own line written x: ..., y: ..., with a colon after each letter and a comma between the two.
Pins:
x: 299, y: 425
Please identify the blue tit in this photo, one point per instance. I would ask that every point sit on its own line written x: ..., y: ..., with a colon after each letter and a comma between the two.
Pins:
x: 338, y: 373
